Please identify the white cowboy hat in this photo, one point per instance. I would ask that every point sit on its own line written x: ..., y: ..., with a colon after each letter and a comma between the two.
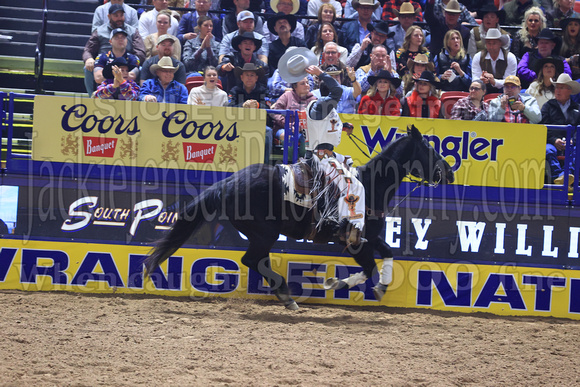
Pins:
x: 564, y: 79
x: 292, y: 65
x: 358, y: 3
x: 164, y: 63
x: 494, y: 33
x: 295, y: 6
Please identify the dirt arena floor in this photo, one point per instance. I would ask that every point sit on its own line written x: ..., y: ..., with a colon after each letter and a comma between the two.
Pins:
x: 62, y: 339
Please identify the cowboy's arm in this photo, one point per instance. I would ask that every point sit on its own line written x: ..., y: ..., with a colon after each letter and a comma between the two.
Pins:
x: 324, y: 105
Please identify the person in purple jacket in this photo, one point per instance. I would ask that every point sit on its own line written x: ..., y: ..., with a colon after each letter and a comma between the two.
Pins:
x: 548, y: 45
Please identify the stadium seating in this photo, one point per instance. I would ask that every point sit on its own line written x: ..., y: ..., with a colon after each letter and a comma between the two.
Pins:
x: 192, y: 82
x: 448, y: 99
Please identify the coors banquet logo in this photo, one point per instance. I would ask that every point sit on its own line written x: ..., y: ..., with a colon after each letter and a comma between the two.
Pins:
x: 175, y: 124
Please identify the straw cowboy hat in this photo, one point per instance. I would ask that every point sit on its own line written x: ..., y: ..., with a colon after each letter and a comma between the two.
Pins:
x: 421, y: 59
x: 164, y: 63
x: 494, y: 33
x: 407, y: 9
x: 281, y: 15
x: 295, y: 5
x: 564, y: 79
x: 358, y: 3
x: 384, y: 74
x: 539, y: 65
x: 292, y: 65
x: 249, y: 67
x: 120, y: 61
x: 452, y: 7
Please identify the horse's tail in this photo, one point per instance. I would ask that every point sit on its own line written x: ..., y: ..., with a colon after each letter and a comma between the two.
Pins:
x: 190, y: 219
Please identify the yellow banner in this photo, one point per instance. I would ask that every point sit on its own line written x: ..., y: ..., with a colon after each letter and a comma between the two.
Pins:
x: 144, y: 134
x: 481, y: 153
x: 464, y: 287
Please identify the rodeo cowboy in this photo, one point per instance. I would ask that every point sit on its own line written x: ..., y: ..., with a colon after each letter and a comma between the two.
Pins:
x: 323, y: 133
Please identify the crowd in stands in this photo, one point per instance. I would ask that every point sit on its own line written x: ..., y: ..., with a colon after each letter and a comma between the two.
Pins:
x: 515, y: 61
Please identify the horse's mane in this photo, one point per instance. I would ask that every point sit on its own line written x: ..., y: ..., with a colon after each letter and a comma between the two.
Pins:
x: 389, y: 153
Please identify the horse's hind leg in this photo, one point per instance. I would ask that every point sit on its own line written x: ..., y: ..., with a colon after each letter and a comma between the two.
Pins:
x: 257, y: 258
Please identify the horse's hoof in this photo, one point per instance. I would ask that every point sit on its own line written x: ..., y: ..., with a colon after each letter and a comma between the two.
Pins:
x: 379, y: 291
x: 292, y: 306
x: 331, y: 283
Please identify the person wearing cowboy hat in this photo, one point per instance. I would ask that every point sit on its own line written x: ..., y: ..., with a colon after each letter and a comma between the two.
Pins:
x: 511, y: 106
x: 548, y: 70
x: 283, y: 7
x: 451, y: 21
x: 516, y: 9
x: 416, y: 67
x: 247, y: 45
x: 490, y: 17
x: 402, y: 9
x: 548, y: 45
x: 246, y: 23
x: 351, y: 13
x: 571, y: 44
x: 380, y: 99
x: 360, y: 54
x: 438, y: 8
x: 283, y: 26
x: 164, y: 48
x: 493, y: 63
x: 163, y: 88
x: 117, y: 83
x: 424, y: 100
x: 560, y: 111
x: 408, y: 13
x: 251, y: 94
x: 355, y: 31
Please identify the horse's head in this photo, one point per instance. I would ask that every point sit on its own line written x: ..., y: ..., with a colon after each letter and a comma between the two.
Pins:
x: 426, y: 164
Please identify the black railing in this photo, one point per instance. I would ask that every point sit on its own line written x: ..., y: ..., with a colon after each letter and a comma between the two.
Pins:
x: 40, y: 50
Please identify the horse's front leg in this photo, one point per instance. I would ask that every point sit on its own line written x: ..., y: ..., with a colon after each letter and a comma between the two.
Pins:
x: 386, y: 270
x: 363, y: 255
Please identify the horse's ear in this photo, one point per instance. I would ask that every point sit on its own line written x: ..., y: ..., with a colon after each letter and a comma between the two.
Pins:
x: 414, y: 132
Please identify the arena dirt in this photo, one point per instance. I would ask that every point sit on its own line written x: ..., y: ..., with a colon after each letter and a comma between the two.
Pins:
x: 67, y: 339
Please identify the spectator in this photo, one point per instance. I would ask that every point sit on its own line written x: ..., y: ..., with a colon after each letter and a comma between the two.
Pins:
x: 100, y: 16
x: 148, y: 20
x: 412, y: 46
x: 453, y: 63
x: 407, y: 16
x: 314, y: 5
x: 563, y: 9
x: 361, y: 52
x: 516, y: 9
x: 493, y: 63
x: 208, y: 94
x: 380, y: 99
x: 438, y: 8
x: 416, y: 67
x: 347, y: 102
x: 526, y: 38
x: 491, y: 18
x: 282, y: 25
x: 424, y: 100
x: 231, y: 21
x: 245, y: 24
x: 163, y: 88
x: 393, y: 9
x: 571, y: 44
x: 279, y: 85
x: 247, y: 45
x: 548, y: 70
x: 326, y: 14
x: 150, y: 41
x: 251, y: 94
x: 380, y: 60
x: 203, y: 50
x: 512, y: 106
x: 164, y: 48
x: 548, y: 45
x: 440, y: 27
x: 351, y: 13
x: 189, y: 22
x: 118, y: 50
x: 326, y: 48
x: 117, y: 84
x: 355, y: 31
x: 100, y: 42
x: 560, y: 111
x: 284, y: 7
x: 472, y: 107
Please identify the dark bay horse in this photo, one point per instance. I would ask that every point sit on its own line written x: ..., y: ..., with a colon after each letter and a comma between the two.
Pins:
x: 252, y: 200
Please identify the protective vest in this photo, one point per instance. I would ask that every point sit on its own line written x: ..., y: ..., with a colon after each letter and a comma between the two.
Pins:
x: 500, y: 65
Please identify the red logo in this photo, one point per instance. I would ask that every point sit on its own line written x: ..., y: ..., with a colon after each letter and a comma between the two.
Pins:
x: 99, y: 146
x: 199, y: 153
